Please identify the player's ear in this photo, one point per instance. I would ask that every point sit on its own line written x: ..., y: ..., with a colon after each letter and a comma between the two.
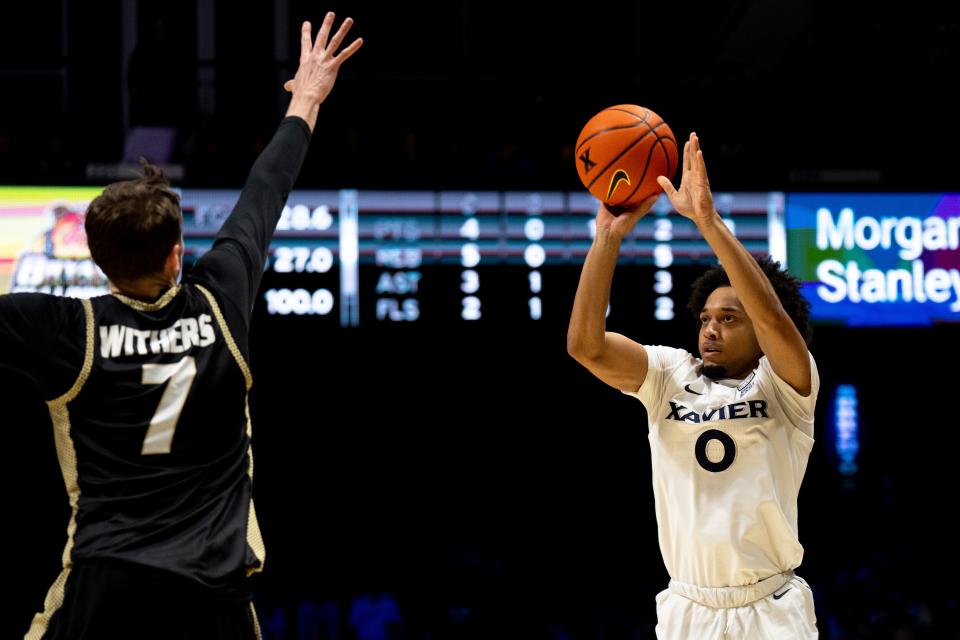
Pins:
x: 173, y: 263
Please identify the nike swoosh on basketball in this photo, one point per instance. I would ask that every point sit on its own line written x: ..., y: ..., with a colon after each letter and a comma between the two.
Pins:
x: 689, y: 390
x: 777, y: 596
x: 618, y: 176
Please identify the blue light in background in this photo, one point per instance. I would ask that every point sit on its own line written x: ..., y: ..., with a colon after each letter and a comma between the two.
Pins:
x: 846, y: 425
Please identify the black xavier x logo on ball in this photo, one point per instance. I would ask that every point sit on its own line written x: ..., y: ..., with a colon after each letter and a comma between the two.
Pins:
x: 587, y: 162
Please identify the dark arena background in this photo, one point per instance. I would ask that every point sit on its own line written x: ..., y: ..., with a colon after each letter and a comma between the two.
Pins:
x: 420, y: 432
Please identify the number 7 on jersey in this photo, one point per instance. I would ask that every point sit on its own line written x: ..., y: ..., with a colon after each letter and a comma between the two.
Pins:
x: 179, y: 377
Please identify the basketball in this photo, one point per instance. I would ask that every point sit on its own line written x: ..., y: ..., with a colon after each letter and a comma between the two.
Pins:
x: 620, y: 153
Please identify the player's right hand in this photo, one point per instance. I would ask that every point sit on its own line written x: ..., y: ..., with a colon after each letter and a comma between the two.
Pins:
x: 618, y: 223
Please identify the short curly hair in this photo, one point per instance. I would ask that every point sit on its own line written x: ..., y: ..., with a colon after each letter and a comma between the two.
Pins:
x: 785, y: 285
x: 133, y: 224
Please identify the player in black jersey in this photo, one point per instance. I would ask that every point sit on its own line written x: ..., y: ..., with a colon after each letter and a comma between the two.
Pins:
x: 147, y: 390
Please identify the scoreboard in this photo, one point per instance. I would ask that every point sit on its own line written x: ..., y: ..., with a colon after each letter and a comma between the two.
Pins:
x: 367, y: 257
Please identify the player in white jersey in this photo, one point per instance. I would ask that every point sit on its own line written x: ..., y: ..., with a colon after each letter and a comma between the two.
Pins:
x: 730, y: 432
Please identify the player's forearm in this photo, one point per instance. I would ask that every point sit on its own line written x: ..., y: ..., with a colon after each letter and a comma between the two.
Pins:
x: 254, y: 217
x: 270, y: 181
x: 754, y: 290
x: 279, y: 164
x: 304, y: 108
x: 586, y: 334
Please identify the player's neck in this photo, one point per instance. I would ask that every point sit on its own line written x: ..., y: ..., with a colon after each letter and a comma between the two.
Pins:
x: 144, y: 290
x: 740, y: 374
x: 746, y: 371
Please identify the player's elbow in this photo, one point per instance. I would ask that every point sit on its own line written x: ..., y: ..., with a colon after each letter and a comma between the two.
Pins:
x: 582, y: 350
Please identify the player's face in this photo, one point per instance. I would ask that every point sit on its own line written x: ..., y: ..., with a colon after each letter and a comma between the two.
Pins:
x: 728, y: 344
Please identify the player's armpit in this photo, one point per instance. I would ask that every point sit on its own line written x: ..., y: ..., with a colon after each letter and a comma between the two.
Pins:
x: 786, y: 351
x: 622, y: 363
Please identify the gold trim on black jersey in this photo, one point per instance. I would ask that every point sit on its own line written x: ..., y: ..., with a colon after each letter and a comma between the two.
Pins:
x: 254, y: 538
x: 140, y: 305
x: 231, y: 343
x: 256, y: 623
x: 51, y: 605
x: 67, y: 455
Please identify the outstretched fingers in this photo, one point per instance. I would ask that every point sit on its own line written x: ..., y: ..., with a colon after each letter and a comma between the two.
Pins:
x: 306, y: 41
x: 349, y: 51
x: 667, y: 186
x: 339, y: 35
x: 321, y: 43
x: 699, y: 164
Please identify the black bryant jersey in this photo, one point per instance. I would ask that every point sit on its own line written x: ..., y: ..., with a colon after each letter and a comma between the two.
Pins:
x: 149, y: 400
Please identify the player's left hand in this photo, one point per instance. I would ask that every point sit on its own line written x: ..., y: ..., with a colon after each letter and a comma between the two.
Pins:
x: 693, y: 199
x: 319, y: 61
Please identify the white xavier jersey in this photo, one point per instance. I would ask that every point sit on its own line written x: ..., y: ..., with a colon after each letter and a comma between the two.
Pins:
x: 728, y: 459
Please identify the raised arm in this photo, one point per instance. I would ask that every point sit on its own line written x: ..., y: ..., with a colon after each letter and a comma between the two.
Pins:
x: 779, y: 338
x: 614, y: 358
x: 235, y: 264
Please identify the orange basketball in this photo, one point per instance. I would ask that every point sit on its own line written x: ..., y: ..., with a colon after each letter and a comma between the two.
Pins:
x: 620, y: 153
